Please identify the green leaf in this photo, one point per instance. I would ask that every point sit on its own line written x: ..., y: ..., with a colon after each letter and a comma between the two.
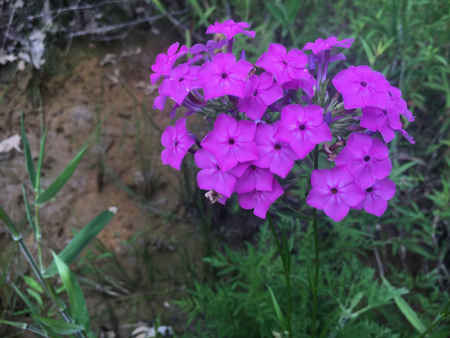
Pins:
x: 36, y: 296
x: 9, y: 224
x: 27, y: 209
x: 22, y: 326
x: 61, y: 327
x: 28, y: 157
x: 40, y: 160
x: 324, y: 331
x: 277, y: 309
x: 409, y: 313
x: 62, y: 179
x: 76, y: 297
x: 32, y: 283
x: 81, y: 239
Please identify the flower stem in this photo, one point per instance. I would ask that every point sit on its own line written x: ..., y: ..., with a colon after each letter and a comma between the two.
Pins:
x: 316, y: 249
x: 286, y: 266
x: 39, y: 237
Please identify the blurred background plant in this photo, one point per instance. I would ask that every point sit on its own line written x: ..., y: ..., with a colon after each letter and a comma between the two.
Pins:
x: 396, y: 266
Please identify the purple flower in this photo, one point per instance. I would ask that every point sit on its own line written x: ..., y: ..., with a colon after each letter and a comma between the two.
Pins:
x: 177, y: 142
x: 224, y: 76
x: 260, y: 92
x: 383, y: 120
x: 302, y: 128
x: 229, y: 28
x: 284, y: 66
x: 209, y: 47
x: 398, y: 104
x: 273, y: 154
x: 307, y: 84
x: 231, y: 141
x: 159, y: 102
x: 407, y: 136
x: 260, y: 201
x: 334, y: 191
x: 367, y: 158
x: 377, y: 195
x: 211, y: 177
x: 254, y: 178
x: 320, y: 45
x: 164, y: 63
x: 360, y: 87
x: 181, y: 81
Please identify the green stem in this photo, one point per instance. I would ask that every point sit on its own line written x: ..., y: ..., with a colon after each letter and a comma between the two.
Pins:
x: 39, y: 237
x: 316, y: 249
x: 286, y: 272
x: 430, y: 328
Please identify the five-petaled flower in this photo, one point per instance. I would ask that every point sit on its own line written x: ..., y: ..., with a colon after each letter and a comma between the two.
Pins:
x: 164, y: 62
x: 361, y: 86
x: 231, y: 141
x: 334, y: 191
x: 367, y: 158
x: 284, y: 66
x: 377, y: 195
x: 229, y: 28
x: 321, y: 45
x: 302, y: 128
x: 224, y: 76
x: 177, y: 142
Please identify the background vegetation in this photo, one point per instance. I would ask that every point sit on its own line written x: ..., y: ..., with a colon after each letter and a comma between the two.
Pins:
x: 386, y: 277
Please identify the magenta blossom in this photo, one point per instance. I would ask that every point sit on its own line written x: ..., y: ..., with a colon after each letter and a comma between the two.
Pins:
x: 383, y: 120
x: 177, y: 142
x: 367, y: 158
x: 224, y: 76
x: 302, y: 128
x: 284, y: 66
x: 254, y: 178
x: 260, y: 201
x: 212, y: 177
x: 307, y: 84
x: 164, y: 63
x: 377, y: 195
x: 320, y: 45
x: 361, y: 86
x: 229, y: 28
x: 182, y: 80
x: 160, y: 102
x: 334, y: 191
x: 398, y: 104
x: 209, y: 47
x: 260, y: 92
x: 273, y: 154
x: 231, y: 141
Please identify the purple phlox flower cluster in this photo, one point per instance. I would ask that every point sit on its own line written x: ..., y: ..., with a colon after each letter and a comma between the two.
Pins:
x: 265, y: 117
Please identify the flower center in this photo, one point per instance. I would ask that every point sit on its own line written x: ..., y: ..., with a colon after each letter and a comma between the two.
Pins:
x: 224, y: 75
x: 390, y: 94
x: 231, y: 141
x: 181, y: 79
x: 218, y: 168
x: 175, y: 143
x: 334, y: 191
x: 277, y: 147
x: 284, y: 63
x: 302, y: 127
x: 384, y: 111
x: 367, y: 158
x: 369, y: 189
x: 363, y: 83
x: 253, y: 167
x: 255, y: 93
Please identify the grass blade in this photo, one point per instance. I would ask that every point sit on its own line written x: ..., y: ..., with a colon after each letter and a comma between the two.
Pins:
x: 277, y: 309
x: 62, y: 179
x: 81, y: 239
x: 76, y: 297
x: 40, y: 160
x: 27, y: 209
x: 28, y: 158
x: 61, y: 327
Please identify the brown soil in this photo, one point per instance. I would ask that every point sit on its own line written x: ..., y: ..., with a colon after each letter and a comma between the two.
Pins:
x: 76, y: 93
